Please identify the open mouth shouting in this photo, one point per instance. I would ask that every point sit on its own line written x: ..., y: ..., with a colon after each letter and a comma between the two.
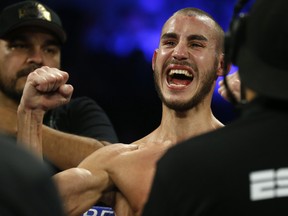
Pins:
x: 179, y: 78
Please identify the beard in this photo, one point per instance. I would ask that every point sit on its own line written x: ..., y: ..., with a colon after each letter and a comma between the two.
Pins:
x: 207, y: 84
x: 9, y: 87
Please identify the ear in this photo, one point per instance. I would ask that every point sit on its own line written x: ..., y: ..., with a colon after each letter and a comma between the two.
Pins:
x: 154, y: 59
x: 221, y: 65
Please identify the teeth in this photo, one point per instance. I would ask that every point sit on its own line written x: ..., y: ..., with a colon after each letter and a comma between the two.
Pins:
x: 184, y: 72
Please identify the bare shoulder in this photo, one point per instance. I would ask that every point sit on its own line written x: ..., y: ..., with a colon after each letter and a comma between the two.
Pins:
x: 115, y: 149
x: 106, y: 154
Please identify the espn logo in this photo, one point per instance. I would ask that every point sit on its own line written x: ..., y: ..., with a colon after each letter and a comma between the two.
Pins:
x: 268, y: 184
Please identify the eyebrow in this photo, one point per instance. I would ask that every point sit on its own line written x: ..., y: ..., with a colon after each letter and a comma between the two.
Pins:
x: 190, y: 37
x: 25, y: 38
x: 17, y: 37
x: 169, y: 35
x: 53, y: 42
x: 197, y: 37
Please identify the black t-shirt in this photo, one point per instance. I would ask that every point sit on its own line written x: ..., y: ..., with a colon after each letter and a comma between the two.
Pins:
x: 82, y: 116
x: 239, y: 170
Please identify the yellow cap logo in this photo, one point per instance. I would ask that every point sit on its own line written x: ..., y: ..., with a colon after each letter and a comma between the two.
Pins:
x: 35, y: 11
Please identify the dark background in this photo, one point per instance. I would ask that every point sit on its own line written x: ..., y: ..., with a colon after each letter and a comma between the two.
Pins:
x: 108, y: 55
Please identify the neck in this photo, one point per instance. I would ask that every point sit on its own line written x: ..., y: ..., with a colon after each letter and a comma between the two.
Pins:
x: 7, y: 102
x: 179, y: 126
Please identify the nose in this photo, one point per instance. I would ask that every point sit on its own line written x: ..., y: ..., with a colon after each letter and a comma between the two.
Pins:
x: 35, y: 55
x: 180, y: 52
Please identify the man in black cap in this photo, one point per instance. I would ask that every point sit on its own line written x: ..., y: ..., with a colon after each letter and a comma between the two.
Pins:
x: 31, y: 13
x: 31, y: 36
x: 240, y: 169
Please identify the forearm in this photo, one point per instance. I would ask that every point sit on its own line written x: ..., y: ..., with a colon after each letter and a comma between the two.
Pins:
x: 45, y: 89
x: 29, y: 124
x: 67, y: 150
x: 80, y: 189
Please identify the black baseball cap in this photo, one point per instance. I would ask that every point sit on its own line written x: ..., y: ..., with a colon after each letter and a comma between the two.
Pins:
x: 263, y: 58
x: 30, y: 13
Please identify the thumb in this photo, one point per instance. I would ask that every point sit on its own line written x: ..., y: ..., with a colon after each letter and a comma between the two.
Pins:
x: 66, y: 90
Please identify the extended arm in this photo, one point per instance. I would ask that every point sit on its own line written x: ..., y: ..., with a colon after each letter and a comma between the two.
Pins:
x: 82, y: 126
x: 64, y: 149
x: 81, y: 187
x: 67, y: 150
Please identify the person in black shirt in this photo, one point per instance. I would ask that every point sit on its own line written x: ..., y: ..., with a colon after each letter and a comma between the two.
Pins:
x: 31, y: 36
x: 26, y: 187
x: 242, y: 168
